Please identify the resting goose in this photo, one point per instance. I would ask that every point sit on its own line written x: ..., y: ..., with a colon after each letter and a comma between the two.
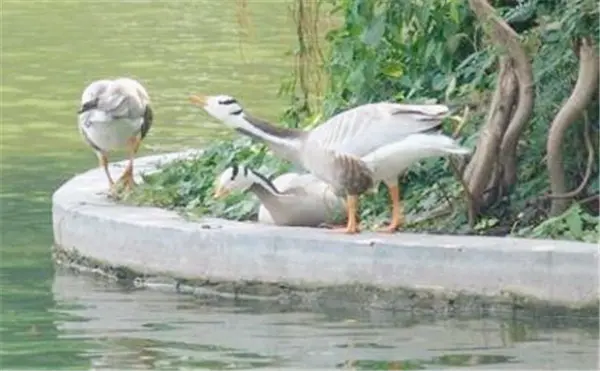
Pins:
x: 115, y: 114
x: 353, y: 150
x: 291, y: 199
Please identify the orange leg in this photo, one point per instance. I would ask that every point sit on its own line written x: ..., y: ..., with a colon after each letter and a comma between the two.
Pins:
x: 397, y: 210
x: 133, y: 145
x: 104, y: 165
x: 352, y: 226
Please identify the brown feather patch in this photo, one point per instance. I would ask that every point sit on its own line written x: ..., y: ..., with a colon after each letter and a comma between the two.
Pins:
x: 353, y: 174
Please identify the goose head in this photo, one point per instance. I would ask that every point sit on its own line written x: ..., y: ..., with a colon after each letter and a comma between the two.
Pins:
x: 222, y: 107
x: 234, y: 178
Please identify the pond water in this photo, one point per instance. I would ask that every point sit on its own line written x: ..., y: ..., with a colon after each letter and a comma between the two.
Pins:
x: 54, y: 319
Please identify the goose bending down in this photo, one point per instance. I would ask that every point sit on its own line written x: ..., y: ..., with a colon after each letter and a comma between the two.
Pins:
x: 291, y: 199
x: 355, y: 149
x: 115, y: 114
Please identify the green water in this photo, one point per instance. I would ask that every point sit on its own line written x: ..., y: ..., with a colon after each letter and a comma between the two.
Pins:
x: 53, y: 319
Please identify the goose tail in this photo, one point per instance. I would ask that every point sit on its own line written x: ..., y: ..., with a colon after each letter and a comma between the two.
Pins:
x: 442, y: 143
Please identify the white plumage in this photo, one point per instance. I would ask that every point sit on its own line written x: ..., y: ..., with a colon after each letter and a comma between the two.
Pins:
x: 291, y: 199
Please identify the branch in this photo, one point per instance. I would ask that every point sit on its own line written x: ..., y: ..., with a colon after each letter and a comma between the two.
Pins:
x: 583, y: 92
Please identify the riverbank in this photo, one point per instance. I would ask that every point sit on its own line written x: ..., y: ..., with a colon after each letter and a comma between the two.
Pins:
x: 436, y: 270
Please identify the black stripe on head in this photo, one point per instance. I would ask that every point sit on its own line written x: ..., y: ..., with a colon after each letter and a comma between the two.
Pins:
x: 89, y: 105
x: 267, y: 181
x: 228, y: 101
x: 234, y: 171
x: 238, y: 112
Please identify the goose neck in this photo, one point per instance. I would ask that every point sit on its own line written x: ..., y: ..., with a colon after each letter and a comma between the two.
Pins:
x: 261, y: 186
x: 285, y: 142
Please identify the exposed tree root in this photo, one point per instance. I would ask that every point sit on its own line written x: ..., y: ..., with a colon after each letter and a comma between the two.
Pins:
x: 483, y: 163
x: 493, y: 168
x: 583, y: 92
x: 588, y: 169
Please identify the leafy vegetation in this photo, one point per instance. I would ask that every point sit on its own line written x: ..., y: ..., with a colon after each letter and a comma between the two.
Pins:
x: 187, y: 185
x: 515, y: 72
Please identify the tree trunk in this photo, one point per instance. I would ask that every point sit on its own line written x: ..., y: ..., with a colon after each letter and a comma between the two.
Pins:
x: 494, y: 165
x: 481, y: 168
x: 583, y: 93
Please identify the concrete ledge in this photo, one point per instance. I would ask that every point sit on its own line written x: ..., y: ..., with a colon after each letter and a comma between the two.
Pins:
x: 157, y: 242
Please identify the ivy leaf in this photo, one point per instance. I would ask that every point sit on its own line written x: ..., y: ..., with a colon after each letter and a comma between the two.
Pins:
x: 439, y: 82
x: 450, y: 88
x: 393, y: 70
x: 575, y: 224
x: 356, y: 78
x: 454, y: 16
x: 374, y: 33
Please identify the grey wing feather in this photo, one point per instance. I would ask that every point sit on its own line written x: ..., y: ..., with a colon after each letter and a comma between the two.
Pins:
x: 361, y: 130
x: 91, y: 92
x: 124, y: 98
x: 94, y: 90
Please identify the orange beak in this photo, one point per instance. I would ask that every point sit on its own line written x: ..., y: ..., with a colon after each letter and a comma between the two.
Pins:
x: 220, y: 193
x: 198, y: 99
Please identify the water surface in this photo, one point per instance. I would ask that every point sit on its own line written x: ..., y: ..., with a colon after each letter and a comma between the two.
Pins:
x: 50, y: 51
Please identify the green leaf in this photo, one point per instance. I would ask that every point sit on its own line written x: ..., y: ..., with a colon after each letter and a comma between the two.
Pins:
x: 450, y: 88
x: 373, y: 35
x: 575, y: 224
x: 439, y: 82
x: 454, y: 15
x: 429, y: 50
x: 393, y: 70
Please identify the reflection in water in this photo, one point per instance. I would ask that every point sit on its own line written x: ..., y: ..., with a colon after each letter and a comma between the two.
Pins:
x: 145, y: 328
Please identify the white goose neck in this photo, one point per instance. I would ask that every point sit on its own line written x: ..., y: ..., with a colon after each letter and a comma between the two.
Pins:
x: 284, y: 139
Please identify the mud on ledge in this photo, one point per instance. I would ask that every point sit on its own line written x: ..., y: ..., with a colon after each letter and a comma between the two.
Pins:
x: 423, y: 301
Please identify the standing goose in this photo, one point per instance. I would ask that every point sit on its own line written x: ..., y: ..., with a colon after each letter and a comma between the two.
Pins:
x: 291, y: 199
x: 353, y: 150
x: 115, y: 114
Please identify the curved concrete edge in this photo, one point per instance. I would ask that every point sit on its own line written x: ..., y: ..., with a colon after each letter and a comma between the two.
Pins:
x: 155, y: 241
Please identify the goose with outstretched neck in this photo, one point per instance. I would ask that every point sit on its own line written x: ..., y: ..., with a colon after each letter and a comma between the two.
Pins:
x: 354, y: 150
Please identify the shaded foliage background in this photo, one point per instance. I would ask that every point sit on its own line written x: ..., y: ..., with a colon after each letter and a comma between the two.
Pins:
x: 421, y: 51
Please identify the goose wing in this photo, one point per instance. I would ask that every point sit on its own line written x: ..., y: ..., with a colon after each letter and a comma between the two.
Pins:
x: 124, y: 98
x: 93, y: 90
x: 120, y: 98
x: 361, y: 130
x: 90, y: 97
x: 333, y: 150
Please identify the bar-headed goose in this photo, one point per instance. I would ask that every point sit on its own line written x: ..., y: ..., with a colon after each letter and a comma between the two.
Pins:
x: 115, y: 114
x: 291, y: 199
x: 353, y: 150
